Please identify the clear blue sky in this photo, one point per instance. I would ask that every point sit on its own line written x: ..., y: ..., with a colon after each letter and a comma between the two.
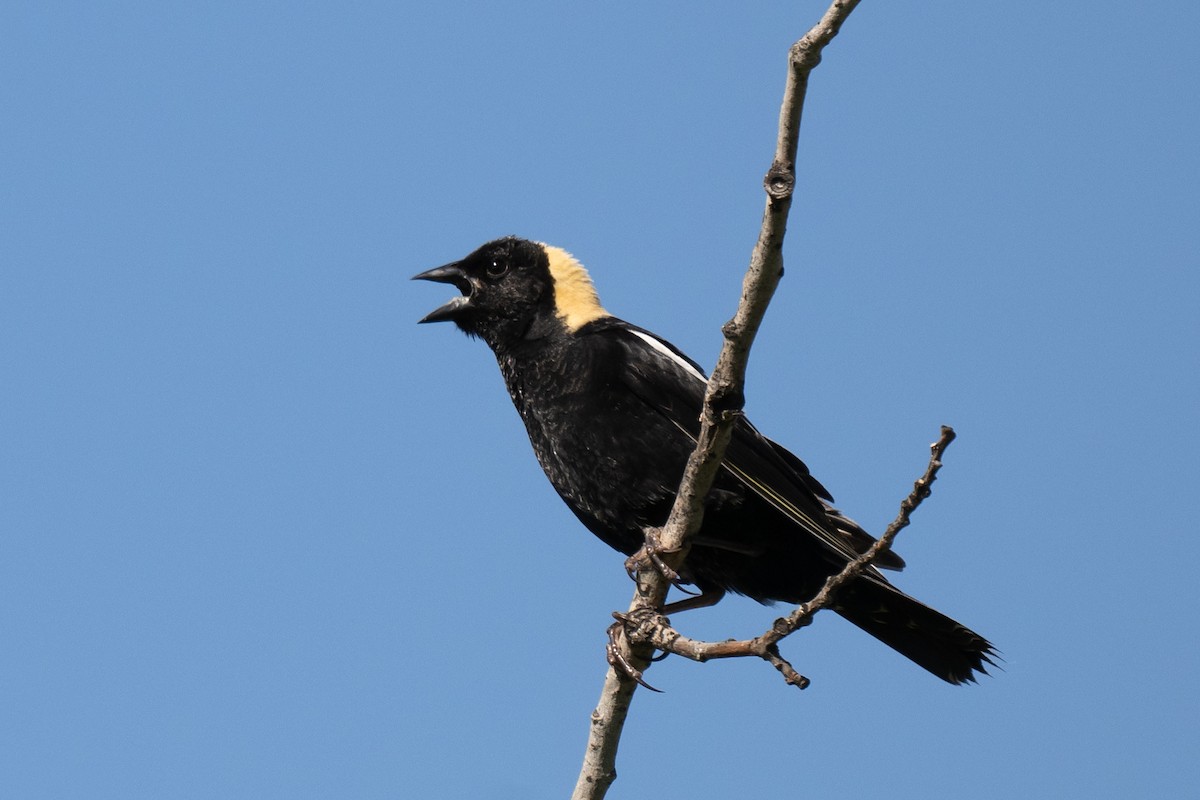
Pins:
x: 265, y: 537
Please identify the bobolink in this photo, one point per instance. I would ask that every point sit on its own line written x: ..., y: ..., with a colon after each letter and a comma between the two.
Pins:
x: 612, y: 412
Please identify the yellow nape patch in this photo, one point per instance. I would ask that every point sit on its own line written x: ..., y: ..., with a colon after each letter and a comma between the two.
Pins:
x: 574, y: 295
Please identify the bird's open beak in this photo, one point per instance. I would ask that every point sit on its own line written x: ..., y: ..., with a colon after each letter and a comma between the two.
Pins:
x: 449, y: 273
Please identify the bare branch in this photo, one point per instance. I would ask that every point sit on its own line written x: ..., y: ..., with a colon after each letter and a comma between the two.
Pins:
x: 600, y: 760
x: 725, y: 395
x: 723, y: 399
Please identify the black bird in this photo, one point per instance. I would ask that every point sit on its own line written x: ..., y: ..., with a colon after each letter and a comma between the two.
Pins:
x: 612, y: 412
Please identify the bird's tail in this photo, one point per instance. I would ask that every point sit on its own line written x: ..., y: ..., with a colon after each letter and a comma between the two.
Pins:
x: 929, y: 638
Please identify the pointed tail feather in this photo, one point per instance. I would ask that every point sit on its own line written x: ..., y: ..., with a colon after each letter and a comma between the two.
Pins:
x: 927, y: 637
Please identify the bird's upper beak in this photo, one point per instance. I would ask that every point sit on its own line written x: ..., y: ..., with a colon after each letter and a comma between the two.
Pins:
x: 449, y: 273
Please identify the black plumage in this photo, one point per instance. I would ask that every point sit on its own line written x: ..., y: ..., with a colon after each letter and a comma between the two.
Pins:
x: 612, y: 412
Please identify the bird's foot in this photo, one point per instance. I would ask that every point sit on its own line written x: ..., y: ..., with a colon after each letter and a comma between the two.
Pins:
x: 620, y: 652
x: 651, y: 554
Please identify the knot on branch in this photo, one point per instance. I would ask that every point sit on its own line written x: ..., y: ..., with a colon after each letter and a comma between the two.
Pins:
x: 780, y: 181
x: 728, y: 400
x: 805, y: 54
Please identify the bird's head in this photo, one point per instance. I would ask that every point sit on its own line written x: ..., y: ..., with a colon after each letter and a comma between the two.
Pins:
x: 515, y: 289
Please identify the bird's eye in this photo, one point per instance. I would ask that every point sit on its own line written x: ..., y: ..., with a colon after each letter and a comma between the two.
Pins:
x: 497, y: 269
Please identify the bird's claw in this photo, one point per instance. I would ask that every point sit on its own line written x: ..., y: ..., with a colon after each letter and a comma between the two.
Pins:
x: 618, y: 652
x: 649, y: 556
x: 651, y: 552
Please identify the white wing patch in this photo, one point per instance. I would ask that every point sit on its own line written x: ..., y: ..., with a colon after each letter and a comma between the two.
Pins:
x: 666, y: 351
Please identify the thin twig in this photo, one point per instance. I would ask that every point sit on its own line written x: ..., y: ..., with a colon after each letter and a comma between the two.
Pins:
x: 723, y: 399
x: 921, y: 489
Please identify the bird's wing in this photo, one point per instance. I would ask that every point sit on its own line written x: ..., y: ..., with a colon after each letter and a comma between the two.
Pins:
x: 667, y: 380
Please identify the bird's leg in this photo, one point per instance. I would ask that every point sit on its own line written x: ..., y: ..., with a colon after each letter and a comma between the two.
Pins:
x: 706, y: 598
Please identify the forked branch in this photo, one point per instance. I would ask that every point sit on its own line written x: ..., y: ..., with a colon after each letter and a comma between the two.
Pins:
x: 655, y: 629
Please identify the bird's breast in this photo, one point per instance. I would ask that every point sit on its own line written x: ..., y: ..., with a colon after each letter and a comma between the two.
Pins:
x: 611, y: 458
